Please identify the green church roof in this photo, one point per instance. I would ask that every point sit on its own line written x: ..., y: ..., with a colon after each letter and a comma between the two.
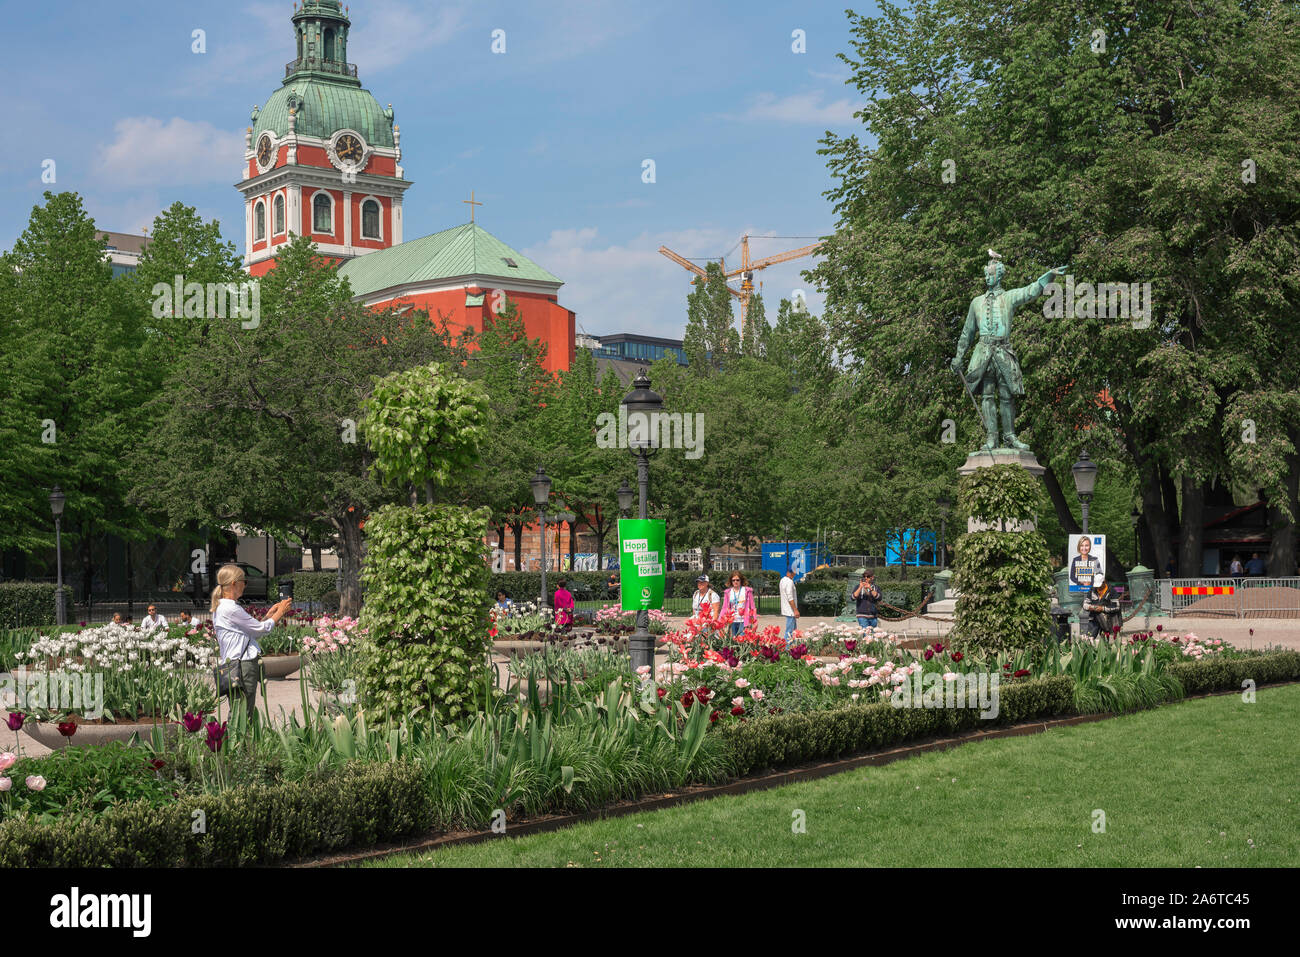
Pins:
x: 467, y: 250
x: 327, y: 107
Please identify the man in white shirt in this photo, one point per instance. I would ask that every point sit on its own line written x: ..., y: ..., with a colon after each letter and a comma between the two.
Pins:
x: 153, y: 620
x: 704, y: 595
x: 789, y: 604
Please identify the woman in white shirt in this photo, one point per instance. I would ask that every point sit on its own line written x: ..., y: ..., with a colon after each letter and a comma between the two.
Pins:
x: 237, y: 632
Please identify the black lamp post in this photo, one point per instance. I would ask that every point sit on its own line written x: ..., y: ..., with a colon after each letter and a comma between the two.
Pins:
x: 786, y: 530
x: 945, y: 503
x: 57, y: 498
x: 1085, y: 480
x: 643, y: 402
x: 625, y: 495
x: 541, y: 485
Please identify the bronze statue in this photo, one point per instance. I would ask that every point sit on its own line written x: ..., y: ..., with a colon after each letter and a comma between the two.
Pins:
x: 993, y: 376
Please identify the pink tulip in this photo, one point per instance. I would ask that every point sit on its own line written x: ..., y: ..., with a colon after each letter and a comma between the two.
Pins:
x: 5, y: 784
x: 35, y: 782
x: 7, y: 760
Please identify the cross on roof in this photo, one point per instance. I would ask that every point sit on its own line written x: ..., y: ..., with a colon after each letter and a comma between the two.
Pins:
x: 472, y: 204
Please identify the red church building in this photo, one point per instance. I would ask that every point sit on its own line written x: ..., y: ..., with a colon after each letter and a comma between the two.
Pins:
x: 323, y: 160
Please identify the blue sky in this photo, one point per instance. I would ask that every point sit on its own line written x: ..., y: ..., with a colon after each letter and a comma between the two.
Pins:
x: 550, y: 135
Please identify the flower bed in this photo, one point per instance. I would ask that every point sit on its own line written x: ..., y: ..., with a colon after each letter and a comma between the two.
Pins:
x: 127, y: 674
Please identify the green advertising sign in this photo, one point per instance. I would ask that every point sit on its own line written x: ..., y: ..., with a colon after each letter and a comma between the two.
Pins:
x: 641, y: 563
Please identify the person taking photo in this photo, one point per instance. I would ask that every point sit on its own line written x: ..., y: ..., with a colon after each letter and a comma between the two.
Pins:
x: 865, y: 597
x: 237, y: 633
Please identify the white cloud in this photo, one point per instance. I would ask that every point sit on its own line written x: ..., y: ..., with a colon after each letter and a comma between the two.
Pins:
x: 631, y: 287
x: 147, y: 151
x: 802, y: 108
x: 386, y: 33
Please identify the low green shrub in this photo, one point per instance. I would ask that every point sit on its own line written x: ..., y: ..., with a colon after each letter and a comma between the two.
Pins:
x: 363, y: 804
x: 27, y: 604
x: 788, y: 739
x: 1225, y: 674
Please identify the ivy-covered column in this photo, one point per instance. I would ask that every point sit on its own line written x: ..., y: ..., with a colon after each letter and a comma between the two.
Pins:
x: 1001, y: 568
x: 426, y: 567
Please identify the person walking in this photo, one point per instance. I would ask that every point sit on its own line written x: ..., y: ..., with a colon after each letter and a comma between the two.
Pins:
x: 704, y: 597
x: 739, y: 600
x: 789, y: 603
x: 237, y: 633
x: 563, y: 605
x: 865, y: 596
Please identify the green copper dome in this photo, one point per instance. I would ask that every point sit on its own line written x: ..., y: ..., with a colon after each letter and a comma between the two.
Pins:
x: 326, y: 106
x: 323, y: 84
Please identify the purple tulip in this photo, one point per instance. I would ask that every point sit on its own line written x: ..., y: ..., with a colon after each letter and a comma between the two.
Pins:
x: 216, y: 734
x: 192, y: 722
x: 16, y: 719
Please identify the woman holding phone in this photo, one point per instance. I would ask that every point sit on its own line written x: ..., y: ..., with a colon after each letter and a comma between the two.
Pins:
x: 237, y: 632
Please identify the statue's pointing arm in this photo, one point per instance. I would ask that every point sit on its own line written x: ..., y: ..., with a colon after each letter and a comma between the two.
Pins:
x: 1035, y: 289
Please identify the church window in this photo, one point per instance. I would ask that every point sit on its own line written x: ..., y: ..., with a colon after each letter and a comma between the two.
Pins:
x: 370, y: 220
x: 279, y: 215
x: 329, y: 44
x: 259, y: 221
x: 322, y: 213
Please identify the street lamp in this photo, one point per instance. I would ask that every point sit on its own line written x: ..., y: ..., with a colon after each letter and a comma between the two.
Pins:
x: 562, y: 516
x: 57, y: 498
x: 625, y: 495
x: 786, y: 530
x: 945, y: 503
x: 644, y: 403
x: 541, y: 484
x: 1085, y: 480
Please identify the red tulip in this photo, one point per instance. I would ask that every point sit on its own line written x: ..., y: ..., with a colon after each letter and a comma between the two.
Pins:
x: 1021, y: 673
x: 67, y: 728
x: 957, y: 656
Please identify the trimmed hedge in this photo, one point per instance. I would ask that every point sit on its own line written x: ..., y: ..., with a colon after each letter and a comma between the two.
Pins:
x: 788, y: 739
x: 313, y: 586
x: 30, y: 604
x: 1226, y: 674
x: 361, y: 805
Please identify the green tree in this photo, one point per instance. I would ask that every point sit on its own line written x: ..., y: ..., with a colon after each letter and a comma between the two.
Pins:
x: 76, y: 379
x: 1131, y: 163
x: 279, y: 405
x: 710, y: 326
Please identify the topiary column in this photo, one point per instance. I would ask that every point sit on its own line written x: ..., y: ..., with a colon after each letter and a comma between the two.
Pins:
x: 426, y: 568
x: 1001, y: 568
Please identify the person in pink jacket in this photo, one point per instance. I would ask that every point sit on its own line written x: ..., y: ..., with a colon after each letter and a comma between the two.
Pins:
x: 563, y: 605
x: 739, y: 600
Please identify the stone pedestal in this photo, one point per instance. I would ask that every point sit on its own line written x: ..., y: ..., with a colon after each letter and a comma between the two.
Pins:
x: 982, y: 460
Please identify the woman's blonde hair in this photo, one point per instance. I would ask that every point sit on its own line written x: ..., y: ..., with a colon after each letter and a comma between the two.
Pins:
x: 226, y: 576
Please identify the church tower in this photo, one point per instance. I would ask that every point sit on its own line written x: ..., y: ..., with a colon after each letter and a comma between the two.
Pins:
x: 322, y: 157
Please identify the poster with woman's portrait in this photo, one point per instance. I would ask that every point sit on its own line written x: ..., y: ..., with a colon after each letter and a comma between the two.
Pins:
x: 1087, y: 559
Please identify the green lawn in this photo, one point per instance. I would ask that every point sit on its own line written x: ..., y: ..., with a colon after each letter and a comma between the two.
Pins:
x: 1186, y: 784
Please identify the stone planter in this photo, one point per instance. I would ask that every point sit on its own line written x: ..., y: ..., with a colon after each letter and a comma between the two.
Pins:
x: 90, y: 735
x: 277, y: 667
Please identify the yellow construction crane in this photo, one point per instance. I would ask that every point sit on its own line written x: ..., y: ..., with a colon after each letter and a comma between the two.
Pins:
x: 746, y: 271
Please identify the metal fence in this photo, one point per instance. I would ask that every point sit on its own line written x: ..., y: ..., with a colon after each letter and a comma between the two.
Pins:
x: 1218, y: 597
